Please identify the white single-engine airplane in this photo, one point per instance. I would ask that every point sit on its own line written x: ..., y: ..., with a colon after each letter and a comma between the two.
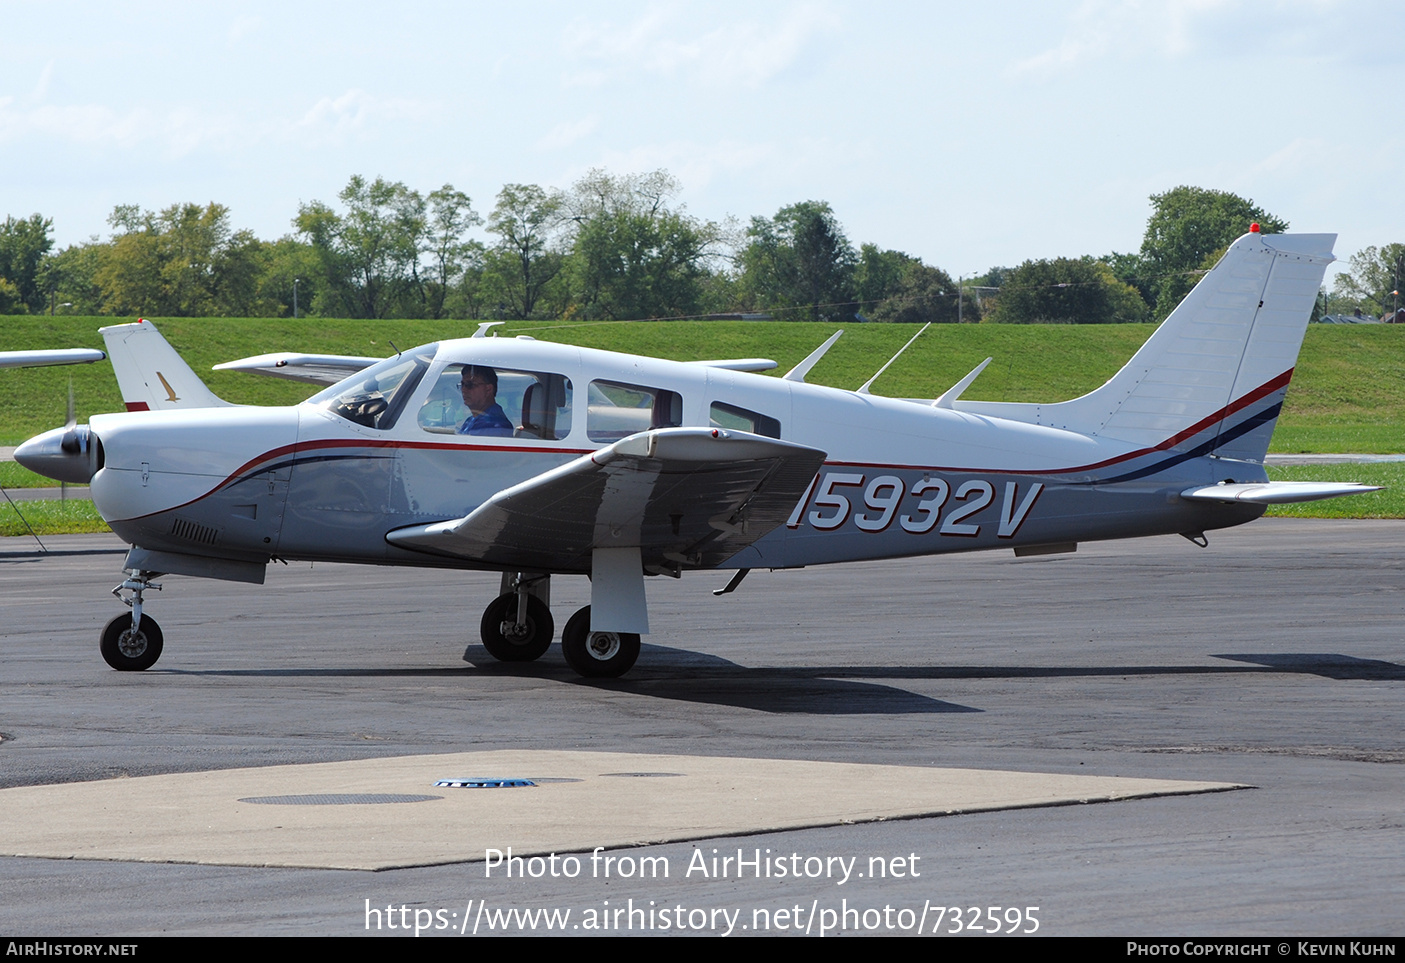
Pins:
x: 537, y: 459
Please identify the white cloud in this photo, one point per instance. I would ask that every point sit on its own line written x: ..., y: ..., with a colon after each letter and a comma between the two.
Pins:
x: 743, y: 53
x: 568, y: 133
x: 1165, y: 30
x: 358, y: 112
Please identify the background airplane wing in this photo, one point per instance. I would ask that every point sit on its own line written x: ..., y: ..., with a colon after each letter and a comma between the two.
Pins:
x: 35, y: 359
x: 315, y: 369
x: 684, y: 496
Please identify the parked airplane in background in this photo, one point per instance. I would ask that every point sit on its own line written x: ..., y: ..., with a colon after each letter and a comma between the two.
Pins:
x: 538, y: 459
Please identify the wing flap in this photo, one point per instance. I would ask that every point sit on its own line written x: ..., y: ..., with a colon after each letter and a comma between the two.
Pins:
x: 686, y: 497
x: 1276, y: 493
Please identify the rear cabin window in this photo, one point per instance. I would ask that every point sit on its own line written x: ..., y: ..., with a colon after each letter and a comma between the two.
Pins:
x: 618, y: 410
x: 740, y: 419
x: 486, y: 401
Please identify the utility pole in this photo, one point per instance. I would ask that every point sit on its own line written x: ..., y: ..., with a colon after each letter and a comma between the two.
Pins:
x: 295, y: 298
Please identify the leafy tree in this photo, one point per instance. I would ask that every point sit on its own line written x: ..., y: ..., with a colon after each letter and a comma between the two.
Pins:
x: 369, y: 257
x: 1065, y: 291
x: 1189, y: 228
x: 284, y: 261
x: 71, y: 276
x: 451, y: 214
x: 1374, y: 273
x: 518, y: 269
x: 800, y: 257
x: 631, y: 255
x: 877, y: 275
x: 1132, y: 269
x: 895, y: 287
x: 184, y: 261
x: 23, y: 246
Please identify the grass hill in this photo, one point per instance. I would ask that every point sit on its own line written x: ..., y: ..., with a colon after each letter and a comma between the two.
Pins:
x: 1346, y: 393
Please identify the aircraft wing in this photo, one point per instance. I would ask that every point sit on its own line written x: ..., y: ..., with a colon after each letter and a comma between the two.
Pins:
x: 739, y: 364
x: 1276, y: 493
x: 683, y: 496
x: 315, y: 369
x: 35, y: 359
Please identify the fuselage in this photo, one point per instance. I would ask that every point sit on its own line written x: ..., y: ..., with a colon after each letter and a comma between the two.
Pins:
x: 329, y: 478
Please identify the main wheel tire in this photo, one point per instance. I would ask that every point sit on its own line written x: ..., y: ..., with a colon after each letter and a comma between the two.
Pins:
x: 128, y: 651
x: 597, y: 655
x: 531, y: 644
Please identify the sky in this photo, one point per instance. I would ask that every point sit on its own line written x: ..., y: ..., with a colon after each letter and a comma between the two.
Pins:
x: 968, y: 135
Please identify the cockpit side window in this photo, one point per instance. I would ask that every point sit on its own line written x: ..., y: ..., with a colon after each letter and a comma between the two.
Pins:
x: 487, y: 401
x: 375, y: 397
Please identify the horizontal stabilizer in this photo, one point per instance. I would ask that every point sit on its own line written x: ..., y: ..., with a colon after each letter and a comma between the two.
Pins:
x: 683, y: 496
x: 314, y: 369
x: 1276, y: 493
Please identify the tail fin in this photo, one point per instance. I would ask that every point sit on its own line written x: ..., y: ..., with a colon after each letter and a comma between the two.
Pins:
x: 150, y: 373
x: 1217, y: 369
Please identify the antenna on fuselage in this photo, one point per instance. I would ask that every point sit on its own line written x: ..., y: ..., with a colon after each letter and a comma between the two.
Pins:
x: 483, y: 328
x: 799, y: 372
x: 949, y: 396
x: 864, y: 390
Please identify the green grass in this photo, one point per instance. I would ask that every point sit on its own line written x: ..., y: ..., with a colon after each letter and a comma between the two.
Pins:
x: 73, y: 517
x: 1389, y: 503
x: 13, y: 476
x: 1345, y: 394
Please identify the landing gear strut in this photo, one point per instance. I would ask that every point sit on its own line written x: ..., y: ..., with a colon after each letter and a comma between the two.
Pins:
x: 131, y: 643
x: 597, y: 655
x: 517, y: 625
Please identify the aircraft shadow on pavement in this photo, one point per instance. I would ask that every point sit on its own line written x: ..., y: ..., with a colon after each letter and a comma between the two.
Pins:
x: 687, y: 676
x: 1328, y: 664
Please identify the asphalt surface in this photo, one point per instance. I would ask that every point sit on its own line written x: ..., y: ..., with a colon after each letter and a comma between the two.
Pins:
x: 1273, y: 658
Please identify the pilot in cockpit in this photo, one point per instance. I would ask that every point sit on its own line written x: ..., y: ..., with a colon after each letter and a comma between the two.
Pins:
x: 479, y: 387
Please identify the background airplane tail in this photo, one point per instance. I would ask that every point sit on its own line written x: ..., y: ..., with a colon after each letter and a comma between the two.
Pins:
x: 150, y: 373
x: 1214, y: 374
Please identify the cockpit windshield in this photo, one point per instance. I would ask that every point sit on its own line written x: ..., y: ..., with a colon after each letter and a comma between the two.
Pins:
x: 374, y: 397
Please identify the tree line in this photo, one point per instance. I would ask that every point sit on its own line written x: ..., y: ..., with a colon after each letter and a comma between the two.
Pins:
x: 610, y: 247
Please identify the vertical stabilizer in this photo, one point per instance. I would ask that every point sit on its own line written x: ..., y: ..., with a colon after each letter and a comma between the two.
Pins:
x: 150, y: 373
x: 1219, y: 364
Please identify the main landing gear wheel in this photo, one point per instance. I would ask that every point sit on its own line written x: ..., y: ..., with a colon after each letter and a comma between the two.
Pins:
x: 597, y: 655
x: 523, y: 643
x: 128, y: 651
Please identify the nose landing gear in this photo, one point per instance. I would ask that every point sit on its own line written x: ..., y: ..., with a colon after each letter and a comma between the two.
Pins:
x: 131, y: 643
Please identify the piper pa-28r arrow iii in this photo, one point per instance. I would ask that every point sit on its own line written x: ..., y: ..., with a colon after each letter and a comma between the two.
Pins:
x: 537, y: 459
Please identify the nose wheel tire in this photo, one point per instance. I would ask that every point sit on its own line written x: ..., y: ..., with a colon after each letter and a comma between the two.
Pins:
x: 597, y: 655
x: 518, y: 644
x: 128, y: 651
